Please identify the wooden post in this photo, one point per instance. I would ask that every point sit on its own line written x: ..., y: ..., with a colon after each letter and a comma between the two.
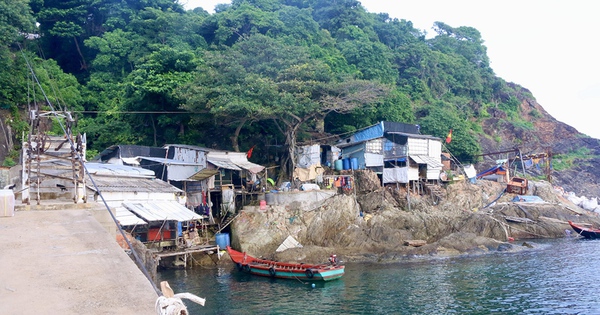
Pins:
x: 522, y: 163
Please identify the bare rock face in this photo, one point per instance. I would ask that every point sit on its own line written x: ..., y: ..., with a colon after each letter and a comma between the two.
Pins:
x: 336, y: 223
x: 376, y: 225
x: 366, y: 181
x: 546, y: 134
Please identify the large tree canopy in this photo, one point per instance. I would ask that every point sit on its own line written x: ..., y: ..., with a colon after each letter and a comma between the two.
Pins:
x: 275, y: 72
x: 261, y: 79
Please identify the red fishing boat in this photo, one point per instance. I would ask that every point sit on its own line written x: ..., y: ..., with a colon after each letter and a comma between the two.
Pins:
x: 584, y: 231
x: 275, y: 269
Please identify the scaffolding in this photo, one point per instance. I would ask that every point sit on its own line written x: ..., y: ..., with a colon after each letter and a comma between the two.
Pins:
x: 52, y: 165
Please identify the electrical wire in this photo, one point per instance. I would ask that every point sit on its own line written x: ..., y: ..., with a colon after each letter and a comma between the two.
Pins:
x: 80, y: 158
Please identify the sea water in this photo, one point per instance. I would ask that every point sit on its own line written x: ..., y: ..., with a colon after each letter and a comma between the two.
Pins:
x: 558, y: 277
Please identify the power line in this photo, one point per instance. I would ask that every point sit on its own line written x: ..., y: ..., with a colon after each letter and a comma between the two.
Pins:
x: 131, y: 112
x: 70, y: 140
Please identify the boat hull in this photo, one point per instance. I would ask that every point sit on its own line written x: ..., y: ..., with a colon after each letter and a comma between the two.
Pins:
x: 585, y: 232
x: 273, y: 269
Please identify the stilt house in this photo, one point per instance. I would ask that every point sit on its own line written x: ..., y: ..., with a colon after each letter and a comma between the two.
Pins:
x: 396, y: 151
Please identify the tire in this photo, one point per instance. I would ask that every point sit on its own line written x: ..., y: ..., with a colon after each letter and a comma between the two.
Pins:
x: 309, y: 273
x: 246, y: 268
x: 239, y: 266
x: 272, y: 272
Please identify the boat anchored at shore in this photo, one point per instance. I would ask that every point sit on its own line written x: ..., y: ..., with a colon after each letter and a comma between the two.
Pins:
x: 584, y: 231
x: 275, y: 269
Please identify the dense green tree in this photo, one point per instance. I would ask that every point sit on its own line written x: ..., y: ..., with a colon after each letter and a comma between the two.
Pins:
x: 15, y: 19
x: 244, y: 21
x: 262, y: 79
x: 438, y: 119
x: 152, y: 73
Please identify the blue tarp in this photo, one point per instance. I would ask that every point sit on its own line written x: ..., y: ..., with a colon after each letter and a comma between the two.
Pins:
x: 491, y: 171
x: 372, y: 132
x: 527, y: 199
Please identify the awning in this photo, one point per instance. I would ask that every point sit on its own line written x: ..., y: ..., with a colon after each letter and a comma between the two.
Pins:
x: 424, y: 159
x: 223, y: 163
x: 127, y: 218
x: 204, y: 174
x: 254, y: 168
x: 233, y: 161
x: 158, y: 211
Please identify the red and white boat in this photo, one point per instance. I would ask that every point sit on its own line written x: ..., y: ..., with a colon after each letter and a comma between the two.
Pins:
x: 275, y: 269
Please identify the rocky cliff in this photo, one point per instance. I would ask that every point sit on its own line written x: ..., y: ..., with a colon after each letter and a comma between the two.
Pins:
x: 384, y: 224
x: 546, y: 135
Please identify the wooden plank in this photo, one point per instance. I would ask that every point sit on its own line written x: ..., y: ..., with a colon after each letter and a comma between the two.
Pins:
x: 191, y: 251
x: 518, y: 219
x: 415, y: 243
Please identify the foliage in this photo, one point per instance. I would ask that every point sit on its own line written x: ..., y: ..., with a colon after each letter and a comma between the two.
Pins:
x: 561, y: 162
x: 15, y: 19
x: 438, y: 120
x: 256, y: 71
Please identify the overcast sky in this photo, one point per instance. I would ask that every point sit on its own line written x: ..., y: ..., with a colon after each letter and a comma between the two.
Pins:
x: 547, y: 46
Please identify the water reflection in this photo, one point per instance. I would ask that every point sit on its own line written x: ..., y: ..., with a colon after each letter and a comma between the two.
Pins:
x: 559, y: 278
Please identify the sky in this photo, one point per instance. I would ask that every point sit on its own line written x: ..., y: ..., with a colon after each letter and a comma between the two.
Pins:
x: 550, y: 47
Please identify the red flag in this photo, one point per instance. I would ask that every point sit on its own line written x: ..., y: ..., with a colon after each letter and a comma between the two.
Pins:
x: 449, y: 137
x: 249, y: 153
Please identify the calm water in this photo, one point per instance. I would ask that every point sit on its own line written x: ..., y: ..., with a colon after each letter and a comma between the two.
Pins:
x: 561, y: 277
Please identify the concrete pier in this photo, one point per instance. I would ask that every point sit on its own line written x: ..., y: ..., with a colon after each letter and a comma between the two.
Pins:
x: 66, y: 262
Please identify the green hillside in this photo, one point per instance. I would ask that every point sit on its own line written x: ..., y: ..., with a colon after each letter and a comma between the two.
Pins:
x: 265, y: 73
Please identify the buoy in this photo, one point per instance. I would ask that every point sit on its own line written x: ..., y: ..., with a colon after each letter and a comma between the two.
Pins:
x: 510, y: 239
x: 312, y: 285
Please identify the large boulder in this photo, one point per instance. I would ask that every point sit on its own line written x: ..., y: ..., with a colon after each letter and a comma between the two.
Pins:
x: 377, y: 223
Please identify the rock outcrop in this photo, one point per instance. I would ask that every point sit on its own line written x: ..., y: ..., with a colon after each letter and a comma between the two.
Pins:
x: 376, y: 223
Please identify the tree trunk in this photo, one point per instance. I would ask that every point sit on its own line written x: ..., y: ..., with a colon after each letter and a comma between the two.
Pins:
x: 291, y: 141
x: 320, y: 124
x: 84, y: 65
x: 234, y: 139
x: 153, y: 130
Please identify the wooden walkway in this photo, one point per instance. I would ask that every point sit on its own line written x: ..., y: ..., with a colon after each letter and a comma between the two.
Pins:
x: 188, y: 252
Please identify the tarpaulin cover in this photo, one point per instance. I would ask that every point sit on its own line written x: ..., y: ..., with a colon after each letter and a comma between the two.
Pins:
x: 527, y: 199
x: 395, y: 175
x: 498, y: 169
x: 470, y: 171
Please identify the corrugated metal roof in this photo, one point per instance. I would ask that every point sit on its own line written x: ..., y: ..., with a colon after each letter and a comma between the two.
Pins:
x: 124, y: 184
x: 167, y: 161
x: 204, y: 174
x: 412, y: 135
x: 158, y: 211
x: 424, y: 159
x: 254, y: 168
x: 233, y: 161
x: 223, y: 163
x: 127, y: 218
x: 107, y: 169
